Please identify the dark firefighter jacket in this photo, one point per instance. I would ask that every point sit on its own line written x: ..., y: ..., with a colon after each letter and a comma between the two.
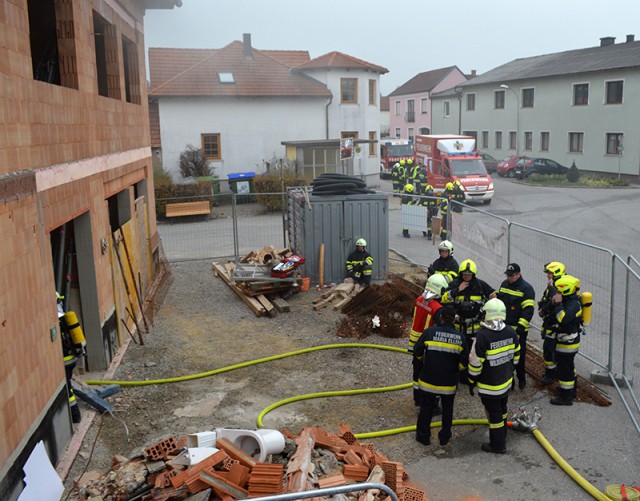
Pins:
x: 497, y: 353
x: 359, y: 262
x: 519, y: 298
x: 446, y: 266
x: 468, y: 303
x: 569, y: 324
x: 444, y: 353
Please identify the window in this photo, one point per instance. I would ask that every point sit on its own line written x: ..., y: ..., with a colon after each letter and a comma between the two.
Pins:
x: 544, y: 141
x: 211, y: 146
x: 372, y: 146
x: 131, y: 71
x: 410, y: 133
x: 52, y: 42
x: 348, y: 90
x: 106, y: 44
x: 527, y: 98
x: 424, y: 105
x: 614, y: 143
x: 498, y: 140
x: 498, y: 99
x: 485, y: 138
x: 528, y: 140
x: 424, y: 131
x: 513, y: 140
x: 397, y: 131
x: 575, y: 142
x: 372, y: 92
x: 349, y: 134
x: 471, y: 102
x: 445, y: 106
x: 397, y: 112
x: 581, y: 94
x: 614, y: 92
x: 411, y: 110
x: 226, y: 77
x: 472, y: 133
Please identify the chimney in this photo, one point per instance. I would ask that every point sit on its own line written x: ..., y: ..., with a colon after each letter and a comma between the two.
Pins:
x: 604, y: 41
x: 630, y: 38
x: 246, y: 42
x: 474, y: 73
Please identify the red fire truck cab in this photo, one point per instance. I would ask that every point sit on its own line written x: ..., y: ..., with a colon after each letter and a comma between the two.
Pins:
x: 392, y: 151
x: 448, y: 158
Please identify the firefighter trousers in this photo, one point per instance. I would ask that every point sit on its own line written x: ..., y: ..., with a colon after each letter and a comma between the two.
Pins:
x: 428, y: 403
x: 497, y: 411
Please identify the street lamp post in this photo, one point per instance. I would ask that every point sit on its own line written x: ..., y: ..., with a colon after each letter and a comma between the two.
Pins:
x: 503, y: 86
x: 459, y: 91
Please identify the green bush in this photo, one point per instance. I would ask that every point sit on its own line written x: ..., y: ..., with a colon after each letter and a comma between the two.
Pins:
x: 573, y: 176
x: 167, y: 193
x: 160, y: 175
x: 272, y: 183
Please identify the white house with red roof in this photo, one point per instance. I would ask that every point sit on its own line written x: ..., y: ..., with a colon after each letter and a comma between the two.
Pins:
x: 240, y: 104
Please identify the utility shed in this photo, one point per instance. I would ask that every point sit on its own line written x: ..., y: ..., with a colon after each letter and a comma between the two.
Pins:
x: 338, y: 221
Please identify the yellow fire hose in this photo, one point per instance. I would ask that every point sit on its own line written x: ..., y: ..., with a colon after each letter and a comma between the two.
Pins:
x: 581, y: 481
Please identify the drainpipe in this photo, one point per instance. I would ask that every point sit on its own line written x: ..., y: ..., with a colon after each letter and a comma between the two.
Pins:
x: 327, y: 115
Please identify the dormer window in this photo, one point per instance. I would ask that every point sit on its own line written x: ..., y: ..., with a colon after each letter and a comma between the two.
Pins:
x: 226, y: 77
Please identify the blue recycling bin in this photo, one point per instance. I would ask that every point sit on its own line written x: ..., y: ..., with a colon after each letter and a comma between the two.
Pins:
x: 241, y: 183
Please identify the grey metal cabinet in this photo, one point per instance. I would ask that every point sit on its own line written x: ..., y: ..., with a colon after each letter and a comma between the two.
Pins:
x: 338, y: 221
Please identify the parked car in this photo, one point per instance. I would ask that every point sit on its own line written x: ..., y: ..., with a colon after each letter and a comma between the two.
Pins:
x: 491, y: 163
x: 527, y: 167
x: 506, y: 167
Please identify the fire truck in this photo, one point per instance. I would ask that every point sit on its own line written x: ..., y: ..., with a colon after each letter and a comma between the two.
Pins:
x: 392, y: 151
x: 448, y: 158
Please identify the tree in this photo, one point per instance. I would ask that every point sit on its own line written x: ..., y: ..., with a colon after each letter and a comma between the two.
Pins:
x: 573, y: 174
x: 193, y: 163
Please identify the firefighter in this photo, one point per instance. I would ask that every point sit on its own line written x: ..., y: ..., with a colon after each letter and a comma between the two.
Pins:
x: 446, y: 264
x: 468, y: 293
x: 445, y: 207
x: 403, y: 174
x: 70, y: 353
x: 395, y: 178
x: 554, y: 271
x: 423, y: 183
x: 444, y: 353
x: 360, y: 264
x: 457, y: 195
x: 494, y: 354
x: 426, y: 312
x: 408, y: 199
x: 413, y: 174
x: 519, y: 298
x: 568, y: 328
x: 431, y: 204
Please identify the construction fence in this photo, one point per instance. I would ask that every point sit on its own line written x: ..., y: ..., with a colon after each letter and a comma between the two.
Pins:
x: 610, y: 347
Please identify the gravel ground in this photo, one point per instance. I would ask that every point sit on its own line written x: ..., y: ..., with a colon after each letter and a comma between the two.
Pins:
x: 201, y: 325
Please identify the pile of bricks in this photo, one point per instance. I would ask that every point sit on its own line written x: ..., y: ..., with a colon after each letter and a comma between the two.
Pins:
x: 231, y: 473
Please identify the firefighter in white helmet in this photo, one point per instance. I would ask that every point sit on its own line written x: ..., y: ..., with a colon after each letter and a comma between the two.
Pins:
x: 360, y: 264
x: 494, y: 354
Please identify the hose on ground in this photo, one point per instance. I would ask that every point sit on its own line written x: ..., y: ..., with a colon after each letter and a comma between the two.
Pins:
x: 595, y: 493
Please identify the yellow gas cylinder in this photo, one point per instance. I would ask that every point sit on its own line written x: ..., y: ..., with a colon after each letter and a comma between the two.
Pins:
x: 77, y: 336
x: 586, y: 299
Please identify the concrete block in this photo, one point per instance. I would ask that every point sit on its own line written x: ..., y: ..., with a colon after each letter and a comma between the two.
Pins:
x: 599, y: 376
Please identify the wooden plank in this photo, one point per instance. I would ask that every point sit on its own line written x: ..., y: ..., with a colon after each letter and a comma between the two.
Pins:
x: 270, y: 309
x: 281, y: 305
x: 252, y: 303
x: 188, y: 209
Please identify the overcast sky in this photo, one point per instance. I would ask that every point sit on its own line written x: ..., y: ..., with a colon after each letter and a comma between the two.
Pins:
x: 405, y: 36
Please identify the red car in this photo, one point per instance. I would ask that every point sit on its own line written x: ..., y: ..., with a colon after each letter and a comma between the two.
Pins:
x: 507, y: 166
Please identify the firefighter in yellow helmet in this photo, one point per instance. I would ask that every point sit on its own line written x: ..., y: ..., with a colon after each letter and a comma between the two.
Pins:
x: 468, y: 293
x: 71, y: 350
x: 360, y: 264
x: 554, y: 270
x: 396, y: 180
x: 408, y: 198
x: 568, y: 328
x: 445, y: 211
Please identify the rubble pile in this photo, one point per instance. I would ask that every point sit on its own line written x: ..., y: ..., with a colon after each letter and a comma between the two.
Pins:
x: 313, y: 459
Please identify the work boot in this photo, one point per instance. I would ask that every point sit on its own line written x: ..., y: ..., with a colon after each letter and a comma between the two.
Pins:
x: 423, y: 440
x: 565, y: 398
x: 549, y: 377
x: 522, y: 383
x: 486, y: 447
x: 429, y: 235
x: 405, y: 234
x: 424, y: 233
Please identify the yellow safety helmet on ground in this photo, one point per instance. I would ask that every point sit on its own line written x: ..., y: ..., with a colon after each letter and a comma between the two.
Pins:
x: 468, y: 266
x: 436, y: 283
x: 408, y: 188
x: 361, y: 242
x: 448, y: 186
x: 494, y: 309
x: 446, y: 245
x: 556, y: 268
x: 566, y: 285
